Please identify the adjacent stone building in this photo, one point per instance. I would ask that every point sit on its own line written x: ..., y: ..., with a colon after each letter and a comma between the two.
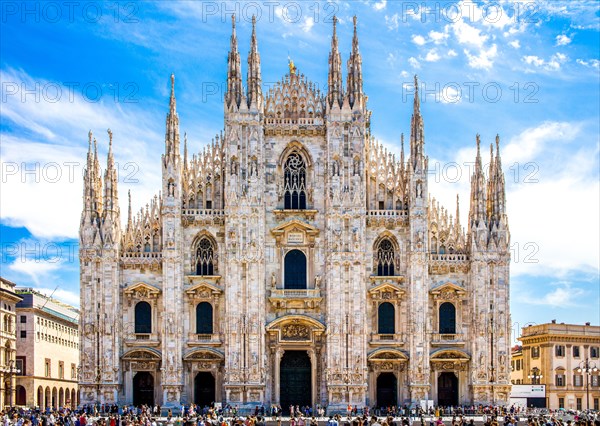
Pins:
x: 8, y: 340
x: 559, y: 353
x: 47, y: 351
x: 294, y: 260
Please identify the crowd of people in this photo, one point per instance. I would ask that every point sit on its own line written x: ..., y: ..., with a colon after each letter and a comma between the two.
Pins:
x: 193, y: 415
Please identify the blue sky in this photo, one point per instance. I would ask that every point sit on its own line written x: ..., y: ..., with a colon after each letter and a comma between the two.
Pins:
x: 526, y: 70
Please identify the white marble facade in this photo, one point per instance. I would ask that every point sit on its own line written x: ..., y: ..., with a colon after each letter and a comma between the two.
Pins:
x: 294, y: 256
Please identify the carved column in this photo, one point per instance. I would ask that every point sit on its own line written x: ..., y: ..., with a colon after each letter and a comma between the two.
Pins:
x: 313, y: 375
x: 277, y: 360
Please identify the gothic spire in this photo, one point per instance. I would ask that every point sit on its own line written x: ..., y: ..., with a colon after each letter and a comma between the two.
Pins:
x: 97, y: 182
x: 354, y: 80
x: 129, y: 219
x: 402, y: 151
x: 499, y: 194
x: 234, y: 73
x: 111, y: 200
x: 490, y: 186
x: 457, y: 213
x: 254, y: 80
x: 477, y: 211
x: 185, y: 151
x: 334, y: 80
x: 417, y: 137
x: 88, y: 184
x: 172, y: 125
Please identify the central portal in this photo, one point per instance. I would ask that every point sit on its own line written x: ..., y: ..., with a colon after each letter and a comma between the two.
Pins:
x: 204, y: 389
x: 143, y: 389
x: 295, y: 385
x: 387, y: 390
x: 447, y: 389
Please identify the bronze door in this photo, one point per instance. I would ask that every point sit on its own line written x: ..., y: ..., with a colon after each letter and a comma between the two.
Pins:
x: 295, y: 380
x: 387, y: 390
x: 447, y: 389
x: 143, y: 389
x: 204, y: 389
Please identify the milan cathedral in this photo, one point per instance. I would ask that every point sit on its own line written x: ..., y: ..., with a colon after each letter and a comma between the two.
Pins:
x: 294, y: 260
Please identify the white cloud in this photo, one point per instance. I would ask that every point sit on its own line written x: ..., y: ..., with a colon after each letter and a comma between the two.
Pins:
x: 308, y: 24
x: 419, y: 40
x: 438, y: 37
x: 54, y: 150
x: 533, y: 60
x: 36, y: 269
x: 563, y: 40
x: 593, y: 63
x: 564, y: 296
x: 414, y: 63
x: 380, y: 5
x: 61, y: 294
x: 553, y: 64
x: 450, y: 95
x: 452, y: 53
x: 542, y: 192
x: 432, y: 56
x: 485, y: 58
x: 467, y: 34
x: 515, y: 43
x: 404, y: 74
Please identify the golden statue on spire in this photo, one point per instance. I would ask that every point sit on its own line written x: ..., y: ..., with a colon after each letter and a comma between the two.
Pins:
x: 291, y: 65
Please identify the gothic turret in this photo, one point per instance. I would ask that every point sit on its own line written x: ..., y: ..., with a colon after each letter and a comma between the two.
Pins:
x: 354, y: 81
x: 334, y: 79
x: 498, y: 192
x: 97, y: 182
x: 477, y: 211
x: 254, y: 82
x: 111, y: 217
x: 233, y: 97
x: 417, y: 136
x: 92, y: 201
x: 172, y: 126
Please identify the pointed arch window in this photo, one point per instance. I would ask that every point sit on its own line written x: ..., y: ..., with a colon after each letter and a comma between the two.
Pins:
x: 143, y: 317
x: 386, y: 318
x: 204, y: 318
x: 205, y: 258
x: 295, y: 182
x: 385, y: 258
x: 447, y: 318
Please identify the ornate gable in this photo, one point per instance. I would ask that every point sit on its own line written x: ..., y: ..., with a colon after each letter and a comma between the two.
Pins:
x: 386, y: 291
x: 448, y: 291
x: 295, y: 232
x: 142, y: 290
x: 204, y: 289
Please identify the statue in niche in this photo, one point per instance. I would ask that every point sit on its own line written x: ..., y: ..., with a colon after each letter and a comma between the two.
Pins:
x: 335, y: 168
